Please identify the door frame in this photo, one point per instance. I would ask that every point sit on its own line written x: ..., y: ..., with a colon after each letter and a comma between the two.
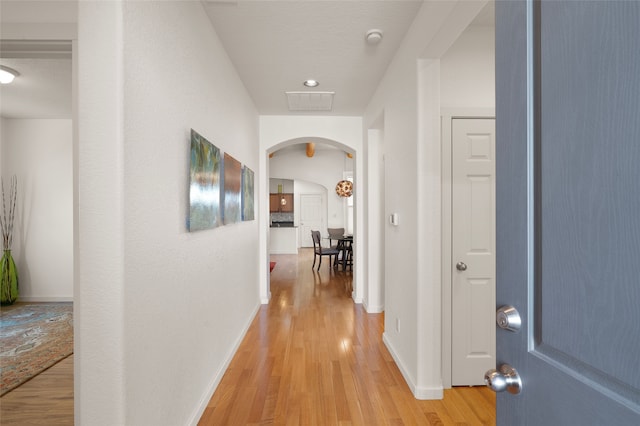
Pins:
x: 446, y: 124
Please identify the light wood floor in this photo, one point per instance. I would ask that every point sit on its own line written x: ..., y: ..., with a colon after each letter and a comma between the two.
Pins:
x: 312, y: 357
x: 47, y: 399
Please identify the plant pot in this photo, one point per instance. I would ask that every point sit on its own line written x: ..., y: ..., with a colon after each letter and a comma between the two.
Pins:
x: 8, y: 279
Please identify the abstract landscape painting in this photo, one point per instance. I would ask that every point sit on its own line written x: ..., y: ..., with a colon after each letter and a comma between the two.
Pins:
x: 247, y: 194
x: 204, y: 189
x: 232, y: 187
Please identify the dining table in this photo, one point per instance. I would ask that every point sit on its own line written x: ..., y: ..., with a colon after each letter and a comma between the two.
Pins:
x: 345, y: 247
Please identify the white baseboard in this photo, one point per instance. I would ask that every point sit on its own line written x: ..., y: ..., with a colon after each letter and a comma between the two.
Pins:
x: 211, y: 388
x: 429, y: 393
x: 419, y: 392
x: 373, y: 309
x: 265, y: 300
x: 44, y: 299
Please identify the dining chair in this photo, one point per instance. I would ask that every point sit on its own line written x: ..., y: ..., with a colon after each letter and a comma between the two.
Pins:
x: 319, y: 251
x: 335, y: 234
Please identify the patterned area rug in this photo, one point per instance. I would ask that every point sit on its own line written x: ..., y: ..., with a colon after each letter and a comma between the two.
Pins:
x: 33, y: 337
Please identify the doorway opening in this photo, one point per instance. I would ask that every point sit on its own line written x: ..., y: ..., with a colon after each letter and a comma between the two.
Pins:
x: 306, y: 173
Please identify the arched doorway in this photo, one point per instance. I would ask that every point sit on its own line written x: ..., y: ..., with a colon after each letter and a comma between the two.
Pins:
x: 342, y: 134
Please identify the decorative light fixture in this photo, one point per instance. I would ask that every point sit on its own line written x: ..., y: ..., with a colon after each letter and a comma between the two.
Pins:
x: 7, y: 74
x: 311, y: 83
x: 344, y: 188
x: 373, y: 37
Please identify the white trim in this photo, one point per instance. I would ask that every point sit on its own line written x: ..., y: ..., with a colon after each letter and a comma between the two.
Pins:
x: 429, y: 393
x: 213, y: 384
x: 468, y: 112
x: 447, y: 115
x: 39, y: 31
x: 419, y: 392
x: 48, y: 299
x: 446, y: 249
x: 373, y: 309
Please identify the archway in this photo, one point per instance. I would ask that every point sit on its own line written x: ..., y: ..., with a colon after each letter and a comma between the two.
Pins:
x: 317, y: 161
x: 342, y: 134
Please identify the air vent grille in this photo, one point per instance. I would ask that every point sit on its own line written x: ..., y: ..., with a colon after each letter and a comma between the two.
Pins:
x: 310, y: 101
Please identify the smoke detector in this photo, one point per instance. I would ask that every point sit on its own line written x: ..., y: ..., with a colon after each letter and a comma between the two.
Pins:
x: 373, y: 37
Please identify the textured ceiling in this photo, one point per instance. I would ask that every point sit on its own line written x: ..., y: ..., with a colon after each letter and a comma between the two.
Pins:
x: 43, y: 89
x: 274, y: 46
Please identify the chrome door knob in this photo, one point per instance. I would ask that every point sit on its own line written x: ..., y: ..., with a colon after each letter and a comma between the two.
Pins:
x: 505, y: 379
x: 461, y: 266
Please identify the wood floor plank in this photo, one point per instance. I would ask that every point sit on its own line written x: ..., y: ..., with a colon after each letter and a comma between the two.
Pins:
x: 47, y: 399
x: 310, y: 357
x: 325, y: 362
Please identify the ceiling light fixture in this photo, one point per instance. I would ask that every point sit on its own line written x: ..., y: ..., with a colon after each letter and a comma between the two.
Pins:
x: 7, y: 74
x: 373, y: 37
x: 311, y: 83
x: 344, y: 188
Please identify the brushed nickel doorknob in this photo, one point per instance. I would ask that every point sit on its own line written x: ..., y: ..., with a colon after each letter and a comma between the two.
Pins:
x: 461, y: 266
x: 505, y: 379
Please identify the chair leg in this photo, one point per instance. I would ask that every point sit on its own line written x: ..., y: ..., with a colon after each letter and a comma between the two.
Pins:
x: 320, y: 262
x: 314, y: 260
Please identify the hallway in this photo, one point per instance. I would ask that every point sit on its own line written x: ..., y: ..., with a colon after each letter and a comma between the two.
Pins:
x: 312, y: 357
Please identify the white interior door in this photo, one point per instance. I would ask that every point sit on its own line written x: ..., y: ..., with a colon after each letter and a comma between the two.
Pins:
x: 311, y: 218
x: 473, y: 250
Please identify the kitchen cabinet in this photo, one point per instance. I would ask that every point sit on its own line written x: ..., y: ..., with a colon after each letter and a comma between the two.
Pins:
x: 283, y: 240
x: 281, y: 203
x: 274, y: 203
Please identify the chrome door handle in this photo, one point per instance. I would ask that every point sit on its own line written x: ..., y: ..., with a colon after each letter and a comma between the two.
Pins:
x: 461, y: 266
x: 505, y: 379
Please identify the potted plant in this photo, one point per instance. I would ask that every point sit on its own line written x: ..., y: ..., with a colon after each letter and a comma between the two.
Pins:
x: 8, y: 270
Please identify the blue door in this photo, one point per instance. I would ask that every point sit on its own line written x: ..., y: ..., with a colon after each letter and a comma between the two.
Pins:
x: 568, y: 211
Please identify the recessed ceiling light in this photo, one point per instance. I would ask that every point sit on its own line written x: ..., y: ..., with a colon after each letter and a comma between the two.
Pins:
x: 311, y: 83
x: 7, y: 74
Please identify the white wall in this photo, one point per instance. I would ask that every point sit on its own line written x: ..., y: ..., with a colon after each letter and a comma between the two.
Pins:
x: 373, y: 294
x: 467, y: 70
x: 324, y: 168
x: 38, y: 152
x: 396, y: 99
x: 287, y: 185
x: 467, y: 89
x: 161, y: 309
x: 408, y: 100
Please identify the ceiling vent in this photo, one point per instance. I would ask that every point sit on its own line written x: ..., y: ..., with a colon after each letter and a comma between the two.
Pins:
x: 310, y: 101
